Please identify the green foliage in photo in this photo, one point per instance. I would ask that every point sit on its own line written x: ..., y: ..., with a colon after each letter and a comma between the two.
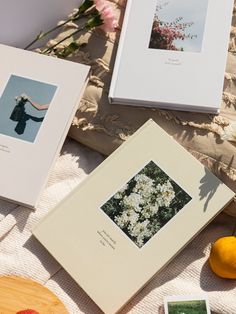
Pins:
x: 146, y: 203
x: 187, y: 307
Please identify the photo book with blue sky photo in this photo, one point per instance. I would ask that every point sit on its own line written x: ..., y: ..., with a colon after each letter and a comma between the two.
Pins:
x: 23, y: 107
x: 37, y: 105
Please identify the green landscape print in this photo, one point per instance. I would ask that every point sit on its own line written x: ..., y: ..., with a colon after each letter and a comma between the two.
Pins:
x: 187, y: 307
x: 146, y: 203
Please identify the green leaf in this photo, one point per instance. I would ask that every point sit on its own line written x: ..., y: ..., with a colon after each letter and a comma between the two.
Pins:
x: 94, y: 21
x: 85, y: 6
x: 40, y: 35
x: 71, y: 48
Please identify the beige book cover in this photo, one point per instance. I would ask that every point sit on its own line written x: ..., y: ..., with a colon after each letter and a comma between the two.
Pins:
x: 131, y: 216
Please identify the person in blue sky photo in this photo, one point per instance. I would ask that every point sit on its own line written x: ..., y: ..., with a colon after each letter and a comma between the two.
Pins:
x: 19, y: 113
x: 24, y: 105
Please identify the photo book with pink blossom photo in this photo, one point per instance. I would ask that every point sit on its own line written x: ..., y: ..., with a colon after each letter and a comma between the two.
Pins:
x: 172, y: 55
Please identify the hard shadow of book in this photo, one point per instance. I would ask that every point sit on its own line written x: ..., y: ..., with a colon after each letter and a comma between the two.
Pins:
x: 207, y: 188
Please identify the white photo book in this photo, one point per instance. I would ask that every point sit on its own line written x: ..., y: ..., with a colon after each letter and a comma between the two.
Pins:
x: 172, y: 54
x: 115, y: 231
x: 39, y: 96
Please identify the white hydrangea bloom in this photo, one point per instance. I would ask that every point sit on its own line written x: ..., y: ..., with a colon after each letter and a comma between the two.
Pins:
x: 133, y: 201
x: 140, y: 232
x: 142, y: 178
x: 141, y: 206
x: 126, y: 218
x: 118, y: 196
x: 143, y: 235
x: 145, y: 190
x: 140, y: 240
x: 154, y: 208
x: 139, y: 228
x: 166, y: 194
x: 153, y: 229
x: 133, y: 217
x: 124, y: 188
x: 144, y: 185
x: 120, y: 193
x: 121, y: 220
x: 150, y: 210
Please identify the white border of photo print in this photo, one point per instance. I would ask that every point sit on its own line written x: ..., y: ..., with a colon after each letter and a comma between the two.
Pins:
x: 24, y: 104
x: 187, y: 298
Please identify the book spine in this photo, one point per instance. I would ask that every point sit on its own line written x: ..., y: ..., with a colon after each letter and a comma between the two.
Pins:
x: 119, y: 51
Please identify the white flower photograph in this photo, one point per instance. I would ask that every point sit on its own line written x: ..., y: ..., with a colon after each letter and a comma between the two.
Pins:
x: 179, y: 25
x: 146, y: 203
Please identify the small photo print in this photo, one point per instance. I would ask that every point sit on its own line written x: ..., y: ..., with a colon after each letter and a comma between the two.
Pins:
x: 146, y: 203
x: 23, y: 107
x: 179, y: 25
x: 186, y: 305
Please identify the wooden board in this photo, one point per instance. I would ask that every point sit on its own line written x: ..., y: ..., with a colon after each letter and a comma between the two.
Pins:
x: 20, y: 294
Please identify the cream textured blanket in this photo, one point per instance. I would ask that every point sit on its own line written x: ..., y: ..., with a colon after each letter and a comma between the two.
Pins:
x: 21, y: 254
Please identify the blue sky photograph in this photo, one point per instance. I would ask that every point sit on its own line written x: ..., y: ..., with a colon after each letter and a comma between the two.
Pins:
x: 23, y: 106
x: 189, y: 11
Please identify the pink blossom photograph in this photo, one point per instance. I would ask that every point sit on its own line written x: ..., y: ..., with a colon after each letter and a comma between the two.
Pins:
x: 179, y: 25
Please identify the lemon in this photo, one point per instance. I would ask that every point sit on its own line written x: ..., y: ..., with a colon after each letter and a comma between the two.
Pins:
x: 223, y: 257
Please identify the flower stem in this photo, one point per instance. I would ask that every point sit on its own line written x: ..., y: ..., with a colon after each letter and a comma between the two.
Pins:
x: 33, y: 41
x: 83, y: 11
x: 50, y: 49
x: 41, y: 35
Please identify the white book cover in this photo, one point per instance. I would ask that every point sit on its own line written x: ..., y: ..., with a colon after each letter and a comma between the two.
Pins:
x: 115, y: 231
x: 39, y: 96
x: 172, y: 54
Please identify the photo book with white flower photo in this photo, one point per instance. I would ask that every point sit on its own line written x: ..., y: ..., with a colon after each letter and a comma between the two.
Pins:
x: 172, y: 54
x: 120, y: 222
x: 38, y: 98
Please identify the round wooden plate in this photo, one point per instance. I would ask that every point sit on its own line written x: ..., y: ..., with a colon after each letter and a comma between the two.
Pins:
x: 17, y: 294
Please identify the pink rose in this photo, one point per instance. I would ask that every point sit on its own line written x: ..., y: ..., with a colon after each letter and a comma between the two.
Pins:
x: 107, y: 15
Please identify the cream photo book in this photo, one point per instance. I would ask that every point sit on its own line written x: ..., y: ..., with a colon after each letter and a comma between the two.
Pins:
x: 39, y: 96
x: 131, y: 216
